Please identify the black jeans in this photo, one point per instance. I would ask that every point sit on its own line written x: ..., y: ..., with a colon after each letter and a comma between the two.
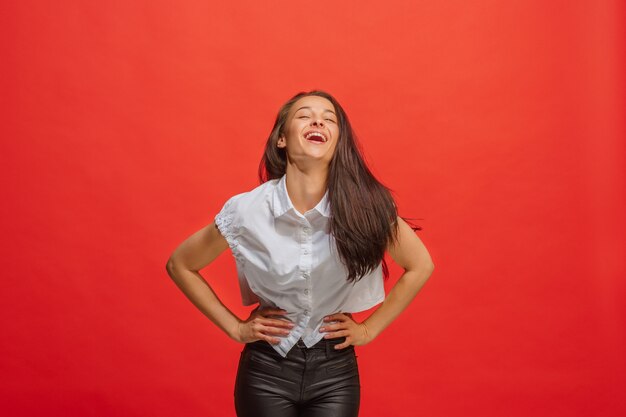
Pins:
x: 308, y: 382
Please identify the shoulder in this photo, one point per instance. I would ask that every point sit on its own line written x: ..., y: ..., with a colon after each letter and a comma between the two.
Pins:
x: 250, y: 206
x: 250, y: 200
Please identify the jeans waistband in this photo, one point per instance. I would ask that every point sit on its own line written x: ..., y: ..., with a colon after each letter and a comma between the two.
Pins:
x: 322, y: 344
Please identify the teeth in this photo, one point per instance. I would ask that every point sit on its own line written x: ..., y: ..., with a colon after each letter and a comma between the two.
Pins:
x: 315, y: 134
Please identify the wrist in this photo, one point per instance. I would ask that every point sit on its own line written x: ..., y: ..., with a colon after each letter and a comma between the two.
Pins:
x: 235, y: 331
x: 370, y: 334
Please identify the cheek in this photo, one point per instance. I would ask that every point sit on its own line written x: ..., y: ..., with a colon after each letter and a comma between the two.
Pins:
x: 294, y: 130
x: 289, y: 134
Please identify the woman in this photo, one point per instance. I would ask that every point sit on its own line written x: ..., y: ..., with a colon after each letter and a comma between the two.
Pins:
x: 309, y: 245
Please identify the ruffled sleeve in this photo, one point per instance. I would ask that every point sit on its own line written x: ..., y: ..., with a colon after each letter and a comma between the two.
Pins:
x: 228, y: 222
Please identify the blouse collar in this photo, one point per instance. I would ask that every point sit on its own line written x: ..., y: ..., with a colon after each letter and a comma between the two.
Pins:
x: 282, y: 202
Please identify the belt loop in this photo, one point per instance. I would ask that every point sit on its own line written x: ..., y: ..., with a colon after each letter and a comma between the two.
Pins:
x: 327, y: 344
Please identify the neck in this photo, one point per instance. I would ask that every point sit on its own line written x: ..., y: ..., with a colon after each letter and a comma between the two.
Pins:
x: 306, y: 187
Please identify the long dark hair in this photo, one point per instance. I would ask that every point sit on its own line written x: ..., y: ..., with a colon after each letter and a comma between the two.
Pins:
x: 363, y: 211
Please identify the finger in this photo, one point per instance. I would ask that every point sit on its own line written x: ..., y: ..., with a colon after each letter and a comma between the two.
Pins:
x: 344, y: 345
x: 273, y: 331
x: 264, y: 334
x: 334, y: 335
x: 269, y: 339
x: 335, y: 317
x: 332, y: 327
x: 277, y: 323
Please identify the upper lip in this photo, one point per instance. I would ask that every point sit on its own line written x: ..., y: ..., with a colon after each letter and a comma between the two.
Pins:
x: 316, y: 131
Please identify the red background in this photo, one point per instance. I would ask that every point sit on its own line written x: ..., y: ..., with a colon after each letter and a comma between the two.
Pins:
x: 127, y: 125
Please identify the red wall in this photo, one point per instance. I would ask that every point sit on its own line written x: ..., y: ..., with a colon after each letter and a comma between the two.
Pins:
x: 127, y: 125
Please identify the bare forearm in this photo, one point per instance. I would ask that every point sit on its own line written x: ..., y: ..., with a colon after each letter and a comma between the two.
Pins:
x: 400, y: 296
x: 200, y: 293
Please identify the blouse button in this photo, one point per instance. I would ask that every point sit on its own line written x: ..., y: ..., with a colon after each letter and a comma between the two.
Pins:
x: 306, y: 251
x: 305, y: 275
x: 307, y: 229
x: 306, y: 292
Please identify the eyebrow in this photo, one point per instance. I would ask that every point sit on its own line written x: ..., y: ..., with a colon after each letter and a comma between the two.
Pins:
x: 307, y: 107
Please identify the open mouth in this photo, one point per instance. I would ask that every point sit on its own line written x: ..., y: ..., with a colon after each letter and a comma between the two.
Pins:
x: 316, y: 137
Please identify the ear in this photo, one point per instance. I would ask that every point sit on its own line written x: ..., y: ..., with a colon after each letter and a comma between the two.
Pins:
x: 281, y: 143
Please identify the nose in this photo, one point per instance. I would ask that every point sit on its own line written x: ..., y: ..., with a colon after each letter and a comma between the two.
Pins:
x: 318, y: 122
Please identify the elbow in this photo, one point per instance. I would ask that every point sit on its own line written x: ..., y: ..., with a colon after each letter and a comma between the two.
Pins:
x: 170, y: 267
x: 422, y: 268
x: 427, y: 262
x: 175, y: 267
x: 428, y: 267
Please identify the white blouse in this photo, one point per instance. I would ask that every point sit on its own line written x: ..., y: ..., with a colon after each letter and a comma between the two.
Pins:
x: 289, y: 260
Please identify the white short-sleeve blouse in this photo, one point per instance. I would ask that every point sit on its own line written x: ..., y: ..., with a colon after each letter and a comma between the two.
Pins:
x: 289, y: 260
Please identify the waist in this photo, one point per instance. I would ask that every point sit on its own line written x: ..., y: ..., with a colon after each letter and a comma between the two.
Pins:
x: 323, y: 344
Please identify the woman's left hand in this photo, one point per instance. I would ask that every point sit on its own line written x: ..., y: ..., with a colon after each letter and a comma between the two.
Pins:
x: 355, y: 333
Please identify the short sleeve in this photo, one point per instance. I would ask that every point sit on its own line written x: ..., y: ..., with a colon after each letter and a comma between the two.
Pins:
x: 228, y: 223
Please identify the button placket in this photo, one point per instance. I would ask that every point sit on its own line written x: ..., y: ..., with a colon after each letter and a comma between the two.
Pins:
x: 306, y: 265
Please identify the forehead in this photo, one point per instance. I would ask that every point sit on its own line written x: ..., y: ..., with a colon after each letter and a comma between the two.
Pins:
x: 314, y: 102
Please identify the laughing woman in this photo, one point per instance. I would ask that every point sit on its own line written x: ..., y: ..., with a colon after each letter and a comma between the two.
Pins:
x: 308, y: 244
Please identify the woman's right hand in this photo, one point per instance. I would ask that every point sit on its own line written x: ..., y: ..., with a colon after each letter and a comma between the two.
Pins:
x: 260, y: 326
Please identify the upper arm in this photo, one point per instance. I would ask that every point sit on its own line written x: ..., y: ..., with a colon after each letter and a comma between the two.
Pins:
x: 408, y: 251
x: 199, y: 249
